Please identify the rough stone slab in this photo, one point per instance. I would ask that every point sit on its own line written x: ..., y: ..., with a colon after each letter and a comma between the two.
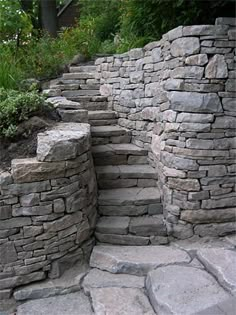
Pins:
x: 137, y: 260
x: 221, y: 263
x: 185, y: 46
x: 65, y: 141
x: 181, y: 290
x: 209, y: 215
x: 126, y: 171
x: 122, y: 239
x: 113, y: 225
x: 124, y: 196
x: 101, y: 114
x: 69, y: 282
x: 226, y: 307
x: 195, y: 102
x: 129, y: 210
x: 101, y: 279
x: 148, y: 226
x: 107, y: 131
x: 117, y: 301
x: 119, y: 148
x: 69, y: 304
x: 196, y: 243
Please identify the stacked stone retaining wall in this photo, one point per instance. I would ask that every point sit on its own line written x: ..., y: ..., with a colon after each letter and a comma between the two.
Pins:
x: 177, y: 95
x: 47, y: 208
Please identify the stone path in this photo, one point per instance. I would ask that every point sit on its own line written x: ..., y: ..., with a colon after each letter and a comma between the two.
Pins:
x: 195, y: 276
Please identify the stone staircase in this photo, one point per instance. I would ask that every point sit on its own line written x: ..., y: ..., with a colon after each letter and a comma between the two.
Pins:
x: 129, y: 205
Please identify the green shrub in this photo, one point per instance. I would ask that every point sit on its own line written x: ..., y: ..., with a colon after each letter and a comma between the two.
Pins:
x: 16, y: 107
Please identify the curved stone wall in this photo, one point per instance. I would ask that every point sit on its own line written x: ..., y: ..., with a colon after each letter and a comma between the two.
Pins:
x: 177, y: 95
x: 47, y: 208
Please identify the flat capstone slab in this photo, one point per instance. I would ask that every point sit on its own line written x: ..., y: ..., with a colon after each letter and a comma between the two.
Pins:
x: 222, y: 264
x: 102, y: 279
x: 69, y: 282
x: 120, y: 301
x: 136, y: 260
x: 183, y: 290
x: 70, y: 304
x: 64, y: 142
x: 124, y: 196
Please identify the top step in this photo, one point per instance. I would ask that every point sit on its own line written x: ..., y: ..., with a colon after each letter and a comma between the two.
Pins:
x: 89, y: 68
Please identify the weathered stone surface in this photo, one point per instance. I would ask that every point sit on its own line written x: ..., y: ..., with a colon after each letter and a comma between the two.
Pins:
x: 73, y: 304
x: 137, y: 260
x: 200, y: 144
x: 69, y: 282
x: 14, y: 223
x: 225, y: 122
x: 66, y: 141
x: 229, y: 104
x: 101, y: 279
x: 221, y: 263
x: 216, y: 68
x: 21, y: 279
x: 171, y: 160
x: 188, y: 72
x: 70, y: 115
x: 115, y: 301
x: 64, y: 222
x: 27, y: 188
x: 113, y: 225
x: 7, y: 253
x: 184, y: 184
x: 29, y: 211
x: 195, y: 118
x: 185, y: 46
x: 209, y: 215
x: 30, y: 200
x: 172, y: 290
x: 215, y: 229
x: 224, y: 202
x: 196, y: 30
x: 197, y: 60
x: 148, y: 226
x: 5, y: 212
x: 136, y: 196
x: 195, y: 102
x: 122, y: 239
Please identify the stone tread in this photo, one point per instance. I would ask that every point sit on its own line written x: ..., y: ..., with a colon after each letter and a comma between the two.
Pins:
x: 101, y: 114
x: 116, y: 225
x: 125, y: 171
x: 136, y: 260
x: 119, y: 148
x: 129, y: 196
x: 89, y: 69
x: 108, y: 131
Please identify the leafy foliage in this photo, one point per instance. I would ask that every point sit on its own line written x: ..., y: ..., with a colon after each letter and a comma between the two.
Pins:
x: 13, y: 20
x: 16, y: 107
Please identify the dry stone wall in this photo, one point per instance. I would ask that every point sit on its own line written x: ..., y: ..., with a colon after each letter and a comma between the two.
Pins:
x: 47, y: 208
x: 177, y: 95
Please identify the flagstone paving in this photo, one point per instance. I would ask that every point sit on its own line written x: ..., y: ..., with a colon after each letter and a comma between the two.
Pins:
x: 177, y: 279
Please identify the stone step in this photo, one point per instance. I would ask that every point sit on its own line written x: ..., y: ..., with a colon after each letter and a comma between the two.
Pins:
x: 78, y: 76
x: 68, y: 304
x: 87, y: 98
x: 101, y: 114
x: 87, y: 68
x: 69, y: 282
x: 124, y: 230
x: 136, y: 260
x: 121, y: 176
x: 93, y: 106
x: 123, y: 139
x: 75, y: 93
x: 131, y: 196
x: 118, y: 153
x: 100, y: 122
x: 108, y: 131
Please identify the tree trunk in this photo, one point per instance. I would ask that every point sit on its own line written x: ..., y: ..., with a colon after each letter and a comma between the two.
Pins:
x: 48, y: 12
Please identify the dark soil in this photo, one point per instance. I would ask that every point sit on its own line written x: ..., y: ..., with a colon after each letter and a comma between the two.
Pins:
x: 25, y: 144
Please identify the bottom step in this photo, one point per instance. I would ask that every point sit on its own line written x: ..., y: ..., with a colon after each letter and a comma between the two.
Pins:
x: 141, y: 230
